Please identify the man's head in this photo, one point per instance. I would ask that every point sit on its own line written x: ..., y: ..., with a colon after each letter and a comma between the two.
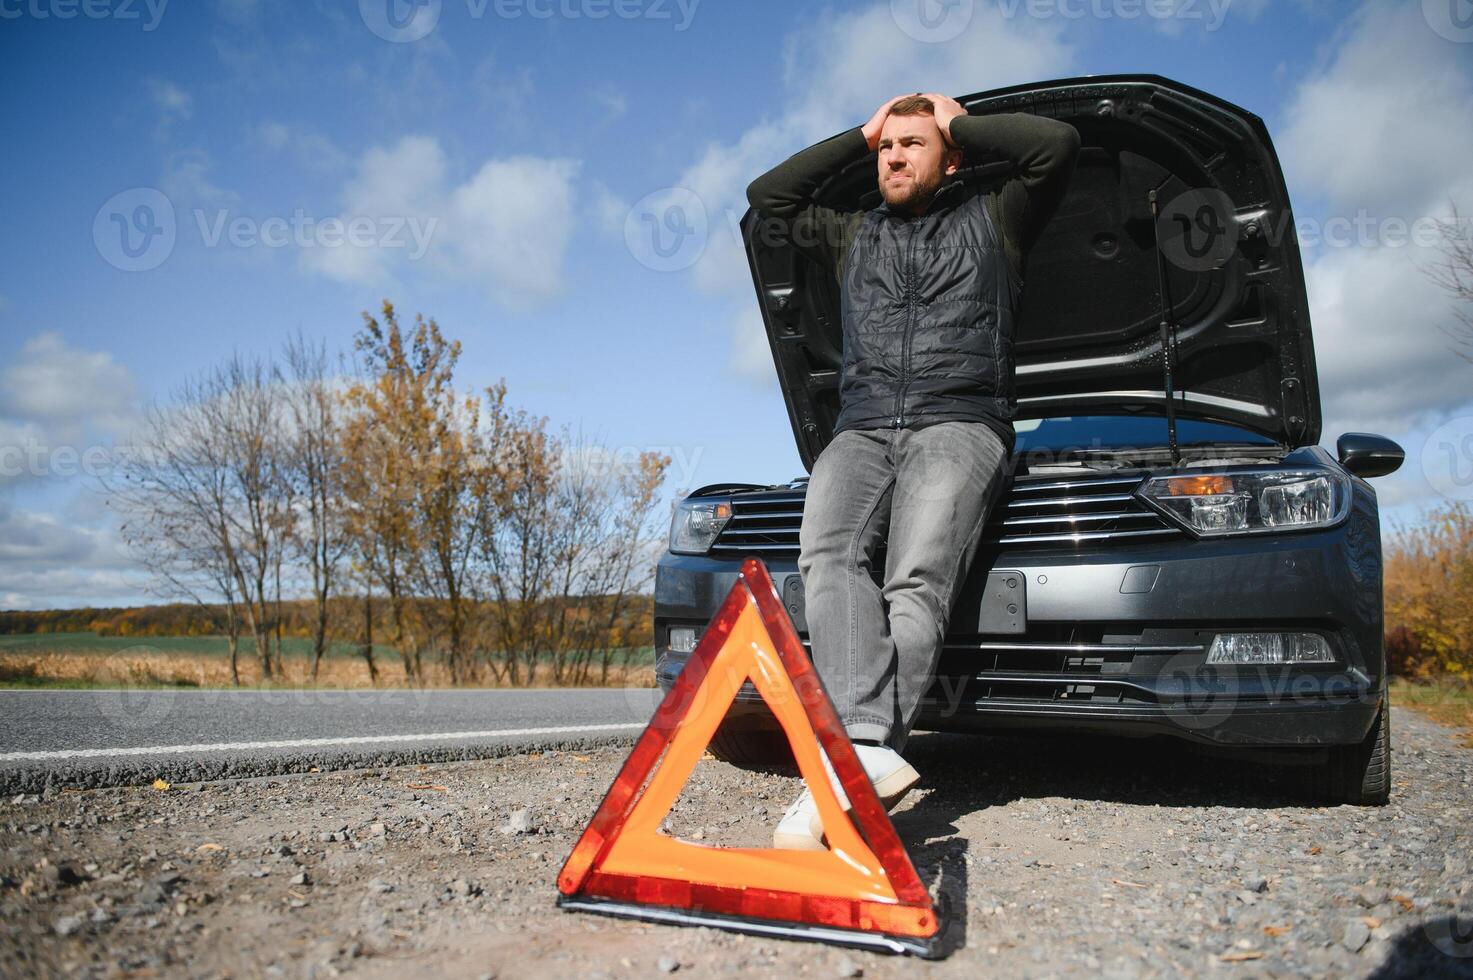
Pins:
x: 914, y: 159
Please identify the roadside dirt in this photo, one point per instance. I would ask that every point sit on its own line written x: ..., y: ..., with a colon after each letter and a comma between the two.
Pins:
x: 1059, y: 857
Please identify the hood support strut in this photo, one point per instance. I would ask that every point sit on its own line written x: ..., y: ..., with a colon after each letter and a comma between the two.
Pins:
x: 1168, y: 332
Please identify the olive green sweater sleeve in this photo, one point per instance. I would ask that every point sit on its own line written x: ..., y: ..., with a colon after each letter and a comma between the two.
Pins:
x: 1042, y: 152
x: 784, y: 197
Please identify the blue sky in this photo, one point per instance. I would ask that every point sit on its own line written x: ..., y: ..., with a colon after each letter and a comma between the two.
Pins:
x: 517, y: 137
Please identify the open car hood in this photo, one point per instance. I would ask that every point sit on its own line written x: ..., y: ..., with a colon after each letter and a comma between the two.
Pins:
x: 1088, y: 337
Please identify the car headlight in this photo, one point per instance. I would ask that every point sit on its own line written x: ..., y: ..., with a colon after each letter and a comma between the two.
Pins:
x: 696, y: 523
x: 1250, y: 502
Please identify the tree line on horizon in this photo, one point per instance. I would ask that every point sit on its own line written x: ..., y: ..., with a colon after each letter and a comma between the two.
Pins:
x: 389, y: 507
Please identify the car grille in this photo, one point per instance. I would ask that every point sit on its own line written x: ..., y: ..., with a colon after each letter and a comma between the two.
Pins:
x: 1038, y: 514
x: 1102, y: 664
x: 1058, y: 663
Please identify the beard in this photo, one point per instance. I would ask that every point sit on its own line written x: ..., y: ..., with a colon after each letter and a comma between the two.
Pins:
x: 912, y: 196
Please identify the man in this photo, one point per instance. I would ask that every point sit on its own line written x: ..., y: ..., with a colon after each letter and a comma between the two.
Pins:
x: 929, y: 284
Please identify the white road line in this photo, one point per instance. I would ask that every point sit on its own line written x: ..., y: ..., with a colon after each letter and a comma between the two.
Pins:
x: 301, y: 743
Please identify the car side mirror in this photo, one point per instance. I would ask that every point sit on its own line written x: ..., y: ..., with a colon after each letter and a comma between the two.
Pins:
x: 1368, y: 455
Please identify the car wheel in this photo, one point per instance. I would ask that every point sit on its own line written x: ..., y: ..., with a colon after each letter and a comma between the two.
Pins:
x: 1360, y: 774
x: 753, y: 746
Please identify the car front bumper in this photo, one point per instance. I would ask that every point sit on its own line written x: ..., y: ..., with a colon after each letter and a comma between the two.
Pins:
x: 1116, y: 641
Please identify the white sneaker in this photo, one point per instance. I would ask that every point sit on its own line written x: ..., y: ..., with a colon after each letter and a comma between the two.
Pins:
x: 801, y: 828
x: 890, y: 774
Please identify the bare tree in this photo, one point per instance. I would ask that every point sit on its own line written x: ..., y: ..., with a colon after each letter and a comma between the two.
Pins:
x: 518, y: 533
x: 489, y: 540
x: 245, y: 410
x: 1455, y: 275
x: 175, y: 490
x: 606, y: 555
x: 314, y: 468
x: 568, y: 545
x: 454, y: 475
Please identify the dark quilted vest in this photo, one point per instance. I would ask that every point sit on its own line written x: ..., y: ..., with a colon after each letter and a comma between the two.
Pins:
x: 928, y: 306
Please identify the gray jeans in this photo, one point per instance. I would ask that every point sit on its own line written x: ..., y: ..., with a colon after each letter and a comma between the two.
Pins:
x: 927, y: 493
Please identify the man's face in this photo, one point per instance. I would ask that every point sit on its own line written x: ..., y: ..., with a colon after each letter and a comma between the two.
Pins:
x: 914, y: 160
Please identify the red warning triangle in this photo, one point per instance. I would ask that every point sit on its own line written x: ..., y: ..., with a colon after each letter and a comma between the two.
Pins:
x: 862, y: 891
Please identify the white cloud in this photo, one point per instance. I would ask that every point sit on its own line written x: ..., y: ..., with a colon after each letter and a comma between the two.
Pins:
x: 60, y: 394
x: 511, y: 225
x: 507, y: 228
x: 61, y: 410
x: 1385, y: 125
x: 46, y: 563
x: 1378, y: 133
x: 608, y: 210
x: 1383, y: 365
x: 836, y: 70
x: 405, y: 180
x: 751, y: 352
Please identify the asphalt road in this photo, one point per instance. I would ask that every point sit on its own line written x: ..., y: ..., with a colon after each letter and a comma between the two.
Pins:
x: 100, y: 738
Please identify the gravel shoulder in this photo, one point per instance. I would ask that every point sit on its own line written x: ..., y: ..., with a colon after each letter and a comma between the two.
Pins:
x: 1059, y: 857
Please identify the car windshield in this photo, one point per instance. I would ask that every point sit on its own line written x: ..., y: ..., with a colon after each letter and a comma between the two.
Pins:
x: 1110, y: 432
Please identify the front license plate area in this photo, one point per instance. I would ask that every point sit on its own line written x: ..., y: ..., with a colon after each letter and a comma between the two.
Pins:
x: 1003, y: 606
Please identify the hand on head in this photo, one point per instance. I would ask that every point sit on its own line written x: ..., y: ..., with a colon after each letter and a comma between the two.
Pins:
x: 945, y: 109
x: 877, y: 121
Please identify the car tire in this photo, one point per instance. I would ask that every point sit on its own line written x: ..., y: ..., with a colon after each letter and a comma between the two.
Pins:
x: 1360, y: 774
x: 757, y: 747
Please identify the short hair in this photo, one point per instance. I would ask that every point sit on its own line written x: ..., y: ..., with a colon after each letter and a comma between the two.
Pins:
x: 913, y: 105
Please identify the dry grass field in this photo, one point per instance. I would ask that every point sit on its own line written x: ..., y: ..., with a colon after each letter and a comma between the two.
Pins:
x: 87, y: 660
